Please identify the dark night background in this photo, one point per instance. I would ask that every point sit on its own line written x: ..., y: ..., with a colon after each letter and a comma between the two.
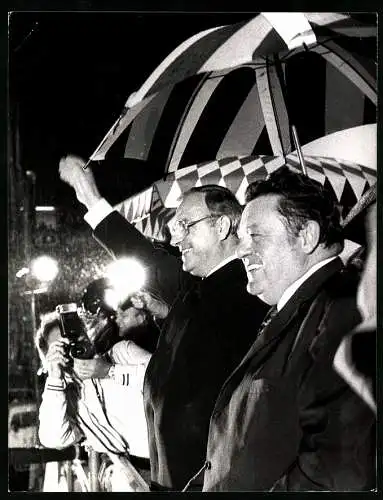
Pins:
x: 70, y: 74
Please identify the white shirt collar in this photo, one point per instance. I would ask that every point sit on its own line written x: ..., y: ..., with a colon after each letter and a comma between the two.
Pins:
x: 289, y: 292
x: 221, y: 264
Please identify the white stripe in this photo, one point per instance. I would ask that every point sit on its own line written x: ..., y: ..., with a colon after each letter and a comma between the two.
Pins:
x: 267, y: 94
x: 157, y: 73
x: 292, y: 27
x: 351, y: 27
x: 117, y: 128
x: 145, y: 125
x: 190, y: 121
x: 352, y: 61
x: 324, y: 18
x: 239, y: 48
x: 358, y: 76
x: 245, y: 129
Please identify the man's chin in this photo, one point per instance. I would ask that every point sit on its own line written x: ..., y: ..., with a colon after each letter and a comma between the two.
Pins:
x: 252, y: 288
x: 186, y: 266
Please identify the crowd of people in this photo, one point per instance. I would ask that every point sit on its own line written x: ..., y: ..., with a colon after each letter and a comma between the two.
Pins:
x: 74, y: 274
x: 239, y: 391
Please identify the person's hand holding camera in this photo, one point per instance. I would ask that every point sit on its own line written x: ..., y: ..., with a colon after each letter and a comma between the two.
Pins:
x: 91, y: 368
x: 57, y: 359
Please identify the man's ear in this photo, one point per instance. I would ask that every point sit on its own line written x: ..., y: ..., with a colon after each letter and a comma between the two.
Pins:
x: 223, y: 226
x: 309, y: 236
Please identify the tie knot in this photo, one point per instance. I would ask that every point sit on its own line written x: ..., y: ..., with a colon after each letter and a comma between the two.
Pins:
x: 269, y: 316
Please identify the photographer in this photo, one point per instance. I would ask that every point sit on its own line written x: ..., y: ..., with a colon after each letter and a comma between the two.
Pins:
x: 133, y: 328
x: 110, y: 416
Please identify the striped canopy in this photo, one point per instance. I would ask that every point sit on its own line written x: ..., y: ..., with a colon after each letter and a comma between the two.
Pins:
x: 236, y: 90
x: 152, y: 209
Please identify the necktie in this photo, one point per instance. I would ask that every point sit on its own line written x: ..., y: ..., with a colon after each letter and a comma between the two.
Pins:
x: 269, y: 316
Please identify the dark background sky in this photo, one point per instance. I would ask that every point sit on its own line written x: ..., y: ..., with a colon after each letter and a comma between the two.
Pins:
x: 70, y: 74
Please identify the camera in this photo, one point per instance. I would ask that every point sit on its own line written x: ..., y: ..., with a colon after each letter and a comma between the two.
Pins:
x: 72, y: 328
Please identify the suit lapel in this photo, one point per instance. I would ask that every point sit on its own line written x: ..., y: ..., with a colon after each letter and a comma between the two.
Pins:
x: 305, y: 292
x: 267, y: 336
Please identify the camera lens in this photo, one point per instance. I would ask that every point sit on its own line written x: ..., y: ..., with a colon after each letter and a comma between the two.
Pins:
x: 77, y: 351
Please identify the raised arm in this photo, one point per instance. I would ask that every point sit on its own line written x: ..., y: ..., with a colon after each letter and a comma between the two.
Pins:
x: 118, y: 236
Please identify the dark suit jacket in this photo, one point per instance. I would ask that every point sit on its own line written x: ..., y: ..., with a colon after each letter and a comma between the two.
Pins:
x: 208, y: 330
x: 285, y: 420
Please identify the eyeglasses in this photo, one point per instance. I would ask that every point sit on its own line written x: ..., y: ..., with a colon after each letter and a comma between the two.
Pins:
x: 180, y: 228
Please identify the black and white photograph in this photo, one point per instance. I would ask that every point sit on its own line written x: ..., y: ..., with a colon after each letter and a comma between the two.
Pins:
x: 192, y: 251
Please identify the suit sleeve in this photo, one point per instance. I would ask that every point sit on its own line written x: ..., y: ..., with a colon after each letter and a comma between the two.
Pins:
x: 335, y: 452
x: 122, y: 239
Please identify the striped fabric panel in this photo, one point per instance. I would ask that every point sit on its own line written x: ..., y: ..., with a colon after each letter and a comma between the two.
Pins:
x: 249, y: 117
x: 145, y: 125
x: 173, y: 69
x: 185, y: 63
x: 273, y: 109
x: 328, y: 19
x: 205, y: 51
x: 212, y: 47
x: 241, y: 46
x: 349, y: 66
x: 191, y: 118
x: 341, y: 23
x: 242, y: 135
x: 228, y: 46
x: 340, y: 92
x: 126, y: 118
x: 295, y: 31
x: 217, y: 117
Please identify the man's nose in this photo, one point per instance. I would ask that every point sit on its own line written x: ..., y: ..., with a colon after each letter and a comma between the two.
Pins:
x: 177, y: 239
x: 242, y: 249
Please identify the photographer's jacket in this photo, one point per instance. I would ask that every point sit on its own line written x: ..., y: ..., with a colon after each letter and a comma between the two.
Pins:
x: 208, y: 330
x: 110, y: 415
x: 285, y: 420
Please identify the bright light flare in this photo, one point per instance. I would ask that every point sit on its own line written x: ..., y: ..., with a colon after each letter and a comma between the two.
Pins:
x: 44, y: 268
x: 112, y: 298
x: 126, y: 276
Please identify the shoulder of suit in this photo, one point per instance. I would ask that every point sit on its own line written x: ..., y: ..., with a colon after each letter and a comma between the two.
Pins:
x: 343, y: 283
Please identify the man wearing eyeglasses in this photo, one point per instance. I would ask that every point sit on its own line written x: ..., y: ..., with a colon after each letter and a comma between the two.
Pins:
x: 210, y: 325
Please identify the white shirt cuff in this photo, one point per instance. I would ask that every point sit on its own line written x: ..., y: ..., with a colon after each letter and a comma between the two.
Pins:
x: 98, y: 213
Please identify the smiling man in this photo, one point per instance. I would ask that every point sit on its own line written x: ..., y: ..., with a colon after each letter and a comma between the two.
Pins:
x: 284, y: 420
x: 210, y: 324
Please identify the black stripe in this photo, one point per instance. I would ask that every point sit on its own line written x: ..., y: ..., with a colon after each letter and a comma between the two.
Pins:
x: 306, y: 90
x: 139, y: 462
x: 168, y: 123
x: 218, y: 116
